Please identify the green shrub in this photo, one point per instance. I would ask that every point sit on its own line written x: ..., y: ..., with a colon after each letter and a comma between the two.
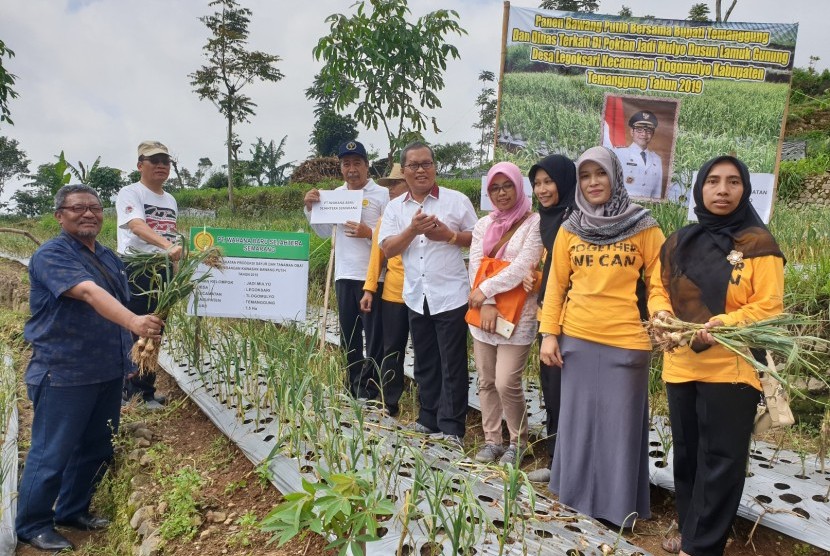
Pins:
x: 180, y: 490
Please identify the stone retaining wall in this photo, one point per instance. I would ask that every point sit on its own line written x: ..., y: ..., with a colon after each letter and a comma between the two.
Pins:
x: 816, y: 192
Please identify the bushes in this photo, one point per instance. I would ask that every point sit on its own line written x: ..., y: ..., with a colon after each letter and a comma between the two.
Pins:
x: 250, y: 201
x: 258, y: 201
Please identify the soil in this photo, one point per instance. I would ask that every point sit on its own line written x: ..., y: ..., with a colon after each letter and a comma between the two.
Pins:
x: 234, y: 488
x: 818, y: 120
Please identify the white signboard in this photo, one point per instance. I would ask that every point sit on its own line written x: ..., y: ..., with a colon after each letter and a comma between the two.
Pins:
x: 264, y: 276
x: 485, y: 199
x: 265, y: 289
x: 337, y: 207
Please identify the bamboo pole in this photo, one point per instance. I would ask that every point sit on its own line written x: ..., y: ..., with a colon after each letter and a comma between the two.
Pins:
x: 504, y: 29
x: 327, y: 291
x: 21, y: 232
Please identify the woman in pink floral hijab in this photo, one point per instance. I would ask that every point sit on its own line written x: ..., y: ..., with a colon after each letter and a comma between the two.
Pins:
x: 509, y: 233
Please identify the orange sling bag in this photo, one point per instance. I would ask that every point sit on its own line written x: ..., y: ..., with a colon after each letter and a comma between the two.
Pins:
x: 510, y: 303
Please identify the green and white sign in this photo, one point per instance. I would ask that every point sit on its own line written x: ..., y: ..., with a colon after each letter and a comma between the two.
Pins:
x: 265, y: 275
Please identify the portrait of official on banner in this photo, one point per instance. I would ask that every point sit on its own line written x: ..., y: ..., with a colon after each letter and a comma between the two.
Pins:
x: 665, y: 95
x: 641, y: 132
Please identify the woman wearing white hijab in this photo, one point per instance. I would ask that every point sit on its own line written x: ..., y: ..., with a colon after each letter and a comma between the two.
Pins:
x: 591, y: 327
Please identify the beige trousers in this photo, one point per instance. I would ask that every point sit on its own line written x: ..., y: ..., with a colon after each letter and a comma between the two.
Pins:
x: 500, y: 369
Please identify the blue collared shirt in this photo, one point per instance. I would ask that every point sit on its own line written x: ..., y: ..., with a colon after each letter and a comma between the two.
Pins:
x: 70, y: 341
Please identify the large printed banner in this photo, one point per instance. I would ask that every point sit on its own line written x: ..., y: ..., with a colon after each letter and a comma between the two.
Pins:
x: 666, y: 95
x: 265, y: 275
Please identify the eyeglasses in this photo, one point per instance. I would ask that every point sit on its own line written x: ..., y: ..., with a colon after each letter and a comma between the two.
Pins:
x: 415, y: 166
x: 157, y: 160
x: 81, y: 209
x: 644, y: 129
x: 499, y: 188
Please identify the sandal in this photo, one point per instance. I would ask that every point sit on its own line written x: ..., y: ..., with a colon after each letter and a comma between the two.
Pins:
x: 672, y: 545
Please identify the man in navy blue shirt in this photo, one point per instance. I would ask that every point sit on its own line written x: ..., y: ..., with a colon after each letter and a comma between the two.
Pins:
x: 80, y: 336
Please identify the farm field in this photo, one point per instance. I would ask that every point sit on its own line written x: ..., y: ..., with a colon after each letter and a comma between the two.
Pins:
x: 802, y: 235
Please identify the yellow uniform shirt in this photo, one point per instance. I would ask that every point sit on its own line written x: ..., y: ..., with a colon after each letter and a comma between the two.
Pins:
x: 755, y: 292
x: 393, y: 283
x: 591, y: 288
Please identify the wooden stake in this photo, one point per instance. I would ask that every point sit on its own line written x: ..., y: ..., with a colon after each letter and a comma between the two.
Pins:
x: 329, y: 270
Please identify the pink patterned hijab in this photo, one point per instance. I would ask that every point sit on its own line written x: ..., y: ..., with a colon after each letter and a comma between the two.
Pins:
x: 503, y: 220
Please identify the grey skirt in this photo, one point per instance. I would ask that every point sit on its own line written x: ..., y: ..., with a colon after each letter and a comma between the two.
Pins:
x: 600, y: 466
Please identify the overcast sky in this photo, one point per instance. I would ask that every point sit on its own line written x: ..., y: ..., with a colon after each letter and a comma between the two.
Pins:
x: 96, y: 77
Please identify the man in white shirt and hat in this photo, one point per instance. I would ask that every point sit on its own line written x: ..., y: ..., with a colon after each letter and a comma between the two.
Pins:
x: 147, y: 224
x: 352, y: 248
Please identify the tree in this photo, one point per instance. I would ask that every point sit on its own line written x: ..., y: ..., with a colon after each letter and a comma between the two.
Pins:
x: 331, y: 128
x: 36, y: 197
x: 265, y: 163
x: 185, y: 179
x: 106, y: 181
x: 699, y: 12
x: 389, y: 68
x: 13, y: 161
x: 486, y: 102
x: 451, y: 157
x: 216, y: 180
x: 625, y: 11
x: 82, y: 172
x: 6, y: 82
x: 230, y: 67
x: 588, y: 6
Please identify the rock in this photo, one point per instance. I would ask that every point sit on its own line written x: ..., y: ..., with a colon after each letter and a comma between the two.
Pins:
x: 146, y: 528
x: 136, y: 498
x: 228, y: 521
x: 216, y: 517
x: 135, y: 455
x: 146, y: 460
x: 161, y: 508
x: 207, y: 532
x: 150, y: 546
x: 139, y: 481
x: 143, y: 433
x: 810, y: 384
x: 197, y: 520
x: 143, y: 443
x: 141, y: 515
x: 131, y: 427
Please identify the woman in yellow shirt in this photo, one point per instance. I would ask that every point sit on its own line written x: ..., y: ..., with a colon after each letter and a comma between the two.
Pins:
x: 554, y: 182
x: 391, y: 306
x: 725, y: 270
x: 600, y: 466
